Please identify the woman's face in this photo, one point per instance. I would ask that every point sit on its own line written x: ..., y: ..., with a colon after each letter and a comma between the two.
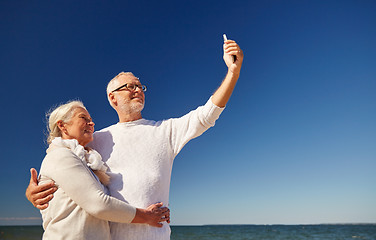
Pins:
x: 80, y: 127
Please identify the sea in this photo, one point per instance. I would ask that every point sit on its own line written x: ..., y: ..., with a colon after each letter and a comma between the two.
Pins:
x: 234, y: 232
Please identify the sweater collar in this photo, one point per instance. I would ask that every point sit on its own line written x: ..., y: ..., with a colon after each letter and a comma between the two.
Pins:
x: 90, y: 157
x: 131, y: 123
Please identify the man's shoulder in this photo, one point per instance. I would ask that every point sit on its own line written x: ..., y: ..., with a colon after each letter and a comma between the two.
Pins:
x: 110, y: 131
x: 106, y: 129
x: 151, y: 122
x: 101, y: 136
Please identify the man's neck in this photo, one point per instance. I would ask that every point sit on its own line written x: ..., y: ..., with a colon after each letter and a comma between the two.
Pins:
x: 129, y: 117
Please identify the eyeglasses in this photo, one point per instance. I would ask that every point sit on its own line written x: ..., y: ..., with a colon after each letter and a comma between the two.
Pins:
x: 131, y: 87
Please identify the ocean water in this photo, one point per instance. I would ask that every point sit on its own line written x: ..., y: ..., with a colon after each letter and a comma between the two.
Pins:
x: 233, y: 232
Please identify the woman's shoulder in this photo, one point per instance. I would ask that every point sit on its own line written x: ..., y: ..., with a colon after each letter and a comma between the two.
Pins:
x: 59, y: 152
x: 59, y: 156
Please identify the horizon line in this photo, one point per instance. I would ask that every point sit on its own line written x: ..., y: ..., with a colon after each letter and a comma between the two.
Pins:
x: 203, y: 225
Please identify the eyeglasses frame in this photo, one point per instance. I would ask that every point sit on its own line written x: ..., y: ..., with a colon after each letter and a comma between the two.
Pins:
x: 143, y: 87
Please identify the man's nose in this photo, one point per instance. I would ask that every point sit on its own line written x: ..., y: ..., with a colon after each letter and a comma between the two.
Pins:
x: 138, y: 89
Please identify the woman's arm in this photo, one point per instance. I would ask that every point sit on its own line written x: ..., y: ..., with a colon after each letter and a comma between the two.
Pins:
x: 76, y: 180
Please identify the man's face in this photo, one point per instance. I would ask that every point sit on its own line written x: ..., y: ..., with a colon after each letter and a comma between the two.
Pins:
x: 130, y: 100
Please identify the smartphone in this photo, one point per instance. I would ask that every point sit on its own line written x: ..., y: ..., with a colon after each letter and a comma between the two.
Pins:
x: 225, y: 39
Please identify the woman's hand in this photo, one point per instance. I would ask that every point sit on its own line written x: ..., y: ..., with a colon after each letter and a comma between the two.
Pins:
x: 153, y: 215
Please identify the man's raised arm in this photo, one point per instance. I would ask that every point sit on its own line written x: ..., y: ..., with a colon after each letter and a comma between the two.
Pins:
x: 234, y: 64
x: 39, y: 196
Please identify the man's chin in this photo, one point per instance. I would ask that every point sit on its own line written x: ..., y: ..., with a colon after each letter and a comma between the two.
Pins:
x: 137, y: 107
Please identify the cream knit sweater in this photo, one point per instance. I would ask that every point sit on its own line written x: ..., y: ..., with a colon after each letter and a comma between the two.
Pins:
x: 80, y: 208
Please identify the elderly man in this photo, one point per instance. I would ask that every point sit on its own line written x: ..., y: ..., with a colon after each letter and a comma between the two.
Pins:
x: 140, y: 152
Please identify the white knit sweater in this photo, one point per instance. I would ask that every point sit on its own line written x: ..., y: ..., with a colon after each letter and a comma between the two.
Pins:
x: 140, y: 155
x: 80, y: 208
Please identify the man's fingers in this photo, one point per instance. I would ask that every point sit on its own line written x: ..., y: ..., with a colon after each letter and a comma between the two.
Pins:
x: 232, y: 49
x: 48, y: 188
x: 33, y: 176
x: 41, y: 196
x: 229, y: 43
x: 44, y: 200
x: 46, y: 193
x: 42, y: 207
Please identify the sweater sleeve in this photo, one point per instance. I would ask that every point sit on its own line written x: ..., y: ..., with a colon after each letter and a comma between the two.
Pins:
x: 193, y: 124
x: 76, y: 180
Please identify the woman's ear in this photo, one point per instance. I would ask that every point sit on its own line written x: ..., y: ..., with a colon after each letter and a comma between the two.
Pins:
x: 61, y: 126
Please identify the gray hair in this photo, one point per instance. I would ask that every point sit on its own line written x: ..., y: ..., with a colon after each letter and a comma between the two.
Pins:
x: 114, y: 83
x: 63, y: 112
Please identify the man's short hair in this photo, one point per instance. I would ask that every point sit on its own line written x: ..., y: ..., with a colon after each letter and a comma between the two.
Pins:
x: 114, y: 83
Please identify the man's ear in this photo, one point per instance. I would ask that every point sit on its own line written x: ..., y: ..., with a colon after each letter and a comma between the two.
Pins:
x: 112, y: 98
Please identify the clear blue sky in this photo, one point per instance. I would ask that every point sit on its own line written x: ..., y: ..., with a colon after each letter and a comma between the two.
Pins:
x: 296, y: 143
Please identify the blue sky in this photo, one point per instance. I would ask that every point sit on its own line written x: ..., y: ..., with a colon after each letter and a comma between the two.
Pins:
x: 296, y: 143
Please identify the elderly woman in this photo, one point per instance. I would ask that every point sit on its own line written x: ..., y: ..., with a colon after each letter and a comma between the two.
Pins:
x: 81, y: 209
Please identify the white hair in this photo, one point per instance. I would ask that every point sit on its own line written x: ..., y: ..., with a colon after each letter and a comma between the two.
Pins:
x: 114, y: 83
x: 63, y: 112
